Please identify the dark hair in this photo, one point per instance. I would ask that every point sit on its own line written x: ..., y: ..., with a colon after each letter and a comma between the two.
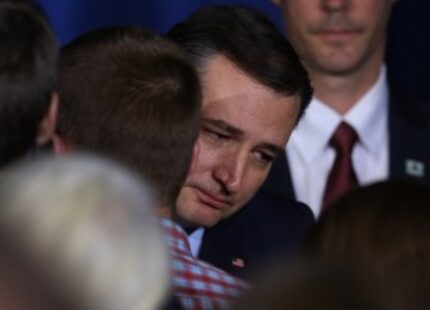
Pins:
x: 306, y: 284
x: 249, y: 40
x: 382, y: 232
x: 28, y: 57
x: 132, y: 95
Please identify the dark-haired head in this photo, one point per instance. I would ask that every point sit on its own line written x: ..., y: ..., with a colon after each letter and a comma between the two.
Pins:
x: 131, y: 95
x: 28, y: 57
x: 250, y: 41
x: 382, y: 232
x: 306, y: 284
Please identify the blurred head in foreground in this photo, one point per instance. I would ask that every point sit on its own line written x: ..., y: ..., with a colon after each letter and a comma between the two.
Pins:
x: 381, y: 232
x: 308, y: 285
x: 80, y: 234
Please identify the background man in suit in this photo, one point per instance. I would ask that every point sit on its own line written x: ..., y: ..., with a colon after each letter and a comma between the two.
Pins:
x: 342, y: 44
x: 254, y: 90
x: 28, y: 57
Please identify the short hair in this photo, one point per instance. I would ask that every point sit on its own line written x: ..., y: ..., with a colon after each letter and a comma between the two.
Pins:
x: 86, y: 226
x: 249, y: 40
x: 28, y: 58
x: 132, y: 95
x: 382, y: 232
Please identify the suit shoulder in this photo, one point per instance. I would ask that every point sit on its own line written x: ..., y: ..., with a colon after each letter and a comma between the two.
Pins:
x: 409, y: 106
x: 269, y: 205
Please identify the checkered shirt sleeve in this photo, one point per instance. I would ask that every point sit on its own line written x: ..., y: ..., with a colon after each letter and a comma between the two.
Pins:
x: 197, y: 284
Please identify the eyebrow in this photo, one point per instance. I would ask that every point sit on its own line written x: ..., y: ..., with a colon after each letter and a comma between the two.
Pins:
x: 236, y: 132
x: 223, y: 125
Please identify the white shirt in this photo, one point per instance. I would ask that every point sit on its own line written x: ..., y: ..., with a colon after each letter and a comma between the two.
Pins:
x: 310, y: 157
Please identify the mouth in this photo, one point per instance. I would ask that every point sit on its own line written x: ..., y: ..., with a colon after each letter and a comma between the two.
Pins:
x: 337, y: 35
x: 213, y: 201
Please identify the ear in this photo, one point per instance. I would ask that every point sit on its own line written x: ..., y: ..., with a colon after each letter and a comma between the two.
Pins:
x: 48, y: 123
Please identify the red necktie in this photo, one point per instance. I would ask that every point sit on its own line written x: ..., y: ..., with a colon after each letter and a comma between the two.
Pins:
x: 342, y: 177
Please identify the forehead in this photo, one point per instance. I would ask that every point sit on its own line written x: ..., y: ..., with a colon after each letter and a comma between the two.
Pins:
x: 233, y: 97
x: 222, y: 79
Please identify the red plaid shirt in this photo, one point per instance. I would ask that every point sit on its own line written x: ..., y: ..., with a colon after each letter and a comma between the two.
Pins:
x: 196, y: 284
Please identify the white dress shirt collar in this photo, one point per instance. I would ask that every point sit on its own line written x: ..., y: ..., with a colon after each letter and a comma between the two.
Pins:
x: 368, y: 117
x: 195, y: 240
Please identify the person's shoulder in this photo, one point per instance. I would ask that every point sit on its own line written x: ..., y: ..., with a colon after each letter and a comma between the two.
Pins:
x: 269, y: 211
x: 269, y: 226
x: 409, y: 105
x: 409, y: 120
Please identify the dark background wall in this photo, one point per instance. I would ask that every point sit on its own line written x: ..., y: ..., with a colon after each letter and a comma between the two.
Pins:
x: 408, y: 52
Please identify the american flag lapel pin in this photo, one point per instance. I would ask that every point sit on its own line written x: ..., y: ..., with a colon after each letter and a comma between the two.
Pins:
x: 238, y: 262
x: 415, y: 168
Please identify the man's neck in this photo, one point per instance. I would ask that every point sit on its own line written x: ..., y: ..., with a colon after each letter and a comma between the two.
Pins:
x: 342, y: 92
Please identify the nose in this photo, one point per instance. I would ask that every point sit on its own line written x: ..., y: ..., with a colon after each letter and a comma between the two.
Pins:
x: 334, y: 5
x: 230, y: 172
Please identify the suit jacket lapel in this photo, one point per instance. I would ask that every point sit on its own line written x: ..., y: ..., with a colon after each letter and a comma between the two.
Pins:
x: 409, y: 132
x: 223, y: 246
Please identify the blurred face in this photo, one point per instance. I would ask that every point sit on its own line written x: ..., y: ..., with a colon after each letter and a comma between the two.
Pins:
x: 337, y: 37
x: 244, y: 127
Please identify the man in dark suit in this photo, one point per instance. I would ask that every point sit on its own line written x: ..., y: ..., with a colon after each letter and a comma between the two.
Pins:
x: 342, y: 44
x: 254, y: 91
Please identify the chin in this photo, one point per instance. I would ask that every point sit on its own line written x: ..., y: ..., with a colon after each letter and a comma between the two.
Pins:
x: 205, y: 217
x: 206, y: 221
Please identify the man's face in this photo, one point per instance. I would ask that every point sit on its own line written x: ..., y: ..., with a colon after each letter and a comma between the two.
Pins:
x: 337, y: 37
x: 244, y: 127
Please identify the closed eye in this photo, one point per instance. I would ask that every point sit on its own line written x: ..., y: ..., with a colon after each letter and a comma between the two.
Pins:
x: 214, y: 134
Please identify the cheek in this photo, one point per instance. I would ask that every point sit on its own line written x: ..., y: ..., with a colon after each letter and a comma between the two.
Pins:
x: 206, y: 159
x: 184, y: 203
x: 199, y: 158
